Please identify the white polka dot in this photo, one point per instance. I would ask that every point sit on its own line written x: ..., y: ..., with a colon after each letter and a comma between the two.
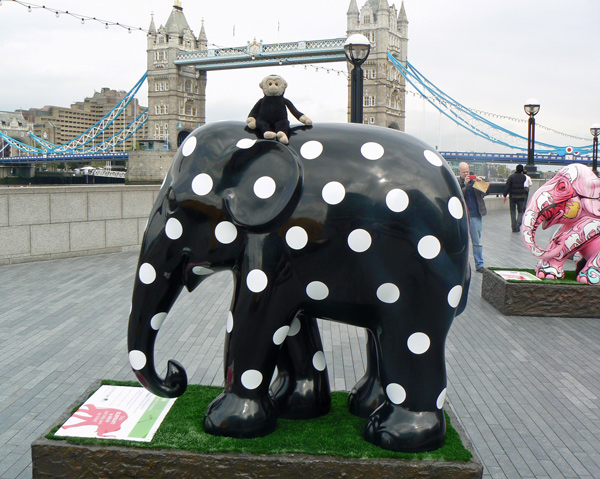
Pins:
x: 441, y: 399
x: 454, y: 296
x: 372, y: 151
x: 433, y: 158
x: 202, y: 184
x: 317, y: 290
x: 418, y: 343
x: 333, y: 193
x: 264, y: 187
x: 251, y: 379
x: 189, y: 145
x: 173, y: 228
x: 245, y: 143
x: 455, y: 208
x: 280, y: 335
x: 225, y: 232
x: 319, y: 361
x: 359, y: 241
x: 201, y: 271
x: 256, y: 281
x: 429, y: 247
x: 388, y: 293
x: 296, y: 237
x: 147, y: 273
x: 397, y: 200
x: 157, y: 320
x: 395, y: 393
x: 229, y: 324
x: 311, y: 150
x: 294, y: 327
x: 137, y: 359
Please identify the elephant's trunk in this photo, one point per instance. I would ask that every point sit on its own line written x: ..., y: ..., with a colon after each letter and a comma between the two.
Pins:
x: 157, y: 286
x: 543, y: 211
x: 141, y: 339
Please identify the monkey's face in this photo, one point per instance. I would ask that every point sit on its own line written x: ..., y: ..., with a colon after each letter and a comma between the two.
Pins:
x: 273, y: 85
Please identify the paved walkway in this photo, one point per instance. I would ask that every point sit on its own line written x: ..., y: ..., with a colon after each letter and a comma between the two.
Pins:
x: 526, y: 389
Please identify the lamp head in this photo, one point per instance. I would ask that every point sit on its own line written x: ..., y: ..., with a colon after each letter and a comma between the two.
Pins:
x: 532, y: 106
x: 357, y: 48
x: 595, y: 129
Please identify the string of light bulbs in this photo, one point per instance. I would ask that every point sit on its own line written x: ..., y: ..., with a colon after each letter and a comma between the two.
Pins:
x: 83, y: 18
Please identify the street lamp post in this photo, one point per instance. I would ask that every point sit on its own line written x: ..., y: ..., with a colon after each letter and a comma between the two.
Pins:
x: 595, y: 131
x: 531, y: 108
x: 357, y: 48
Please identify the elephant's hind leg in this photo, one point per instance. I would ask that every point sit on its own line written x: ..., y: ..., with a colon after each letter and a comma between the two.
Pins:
x: 367, y: 395
x: 413, y: 375
x: 301, y: 389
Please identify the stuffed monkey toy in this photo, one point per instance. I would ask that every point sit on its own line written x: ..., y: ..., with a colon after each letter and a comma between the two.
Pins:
x: 269, y: 114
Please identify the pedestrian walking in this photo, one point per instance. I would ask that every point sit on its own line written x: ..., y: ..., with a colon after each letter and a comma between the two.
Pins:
x: 517, y: 193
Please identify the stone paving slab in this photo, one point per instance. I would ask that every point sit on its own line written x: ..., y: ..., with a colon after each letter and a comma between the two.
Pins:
x: 526, y: 389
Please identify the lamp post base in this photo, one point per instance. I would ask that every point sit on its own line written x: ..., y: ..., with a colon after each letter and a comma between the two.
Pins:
x: 532, y: 171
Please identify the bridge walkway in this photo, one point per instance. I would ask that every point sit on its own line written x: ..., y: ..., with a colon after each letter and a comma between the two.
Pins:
x: 526, y: 389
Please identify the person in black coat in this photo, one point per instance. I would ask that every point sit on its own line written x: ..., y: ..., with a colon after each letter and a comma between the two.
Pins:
x: 517, y: 193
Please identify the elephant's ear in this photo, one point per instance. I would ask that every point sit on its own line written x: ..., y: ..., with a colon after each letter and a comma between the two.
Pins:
x: 261, y: 184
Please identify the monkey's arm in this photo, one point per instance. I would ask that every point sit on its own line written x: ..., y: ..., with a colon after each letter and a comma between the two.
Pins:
x: 298, y: 114
x: 253, y: 115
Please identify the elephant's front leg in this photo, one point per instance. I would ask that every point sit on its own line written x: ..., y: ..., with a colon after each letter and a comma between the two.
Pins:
x: 256, y: 327
x: 301, y: 389
x: 413, y: 375
x: 590, y: 272
x: 550, y: 269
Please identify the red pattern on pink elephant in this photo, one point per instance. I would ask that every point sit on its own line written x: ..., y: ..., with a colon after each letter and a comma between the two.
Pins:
x: 570, y: 199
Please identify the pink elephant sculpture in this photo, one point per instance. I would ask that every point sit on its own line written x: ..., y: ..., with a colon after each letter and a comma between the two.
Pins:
x: 571, y: 199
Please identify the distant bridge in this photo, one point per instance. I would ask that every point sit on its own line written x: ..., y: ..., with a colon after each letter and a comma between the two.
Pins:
x: 65, y: 158
x: 257, y: 54
x: 469, y: 156
x: 540, y: 159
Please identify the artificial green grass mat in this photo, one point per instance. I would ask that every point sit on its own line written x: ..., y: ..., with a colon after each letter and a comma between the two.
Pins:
x: 568, y: 279
x: 338, y: 433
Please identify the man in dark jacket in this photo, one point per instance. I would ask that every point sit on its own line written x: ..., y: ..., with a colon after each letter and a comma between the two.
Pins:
x: 515, y: 189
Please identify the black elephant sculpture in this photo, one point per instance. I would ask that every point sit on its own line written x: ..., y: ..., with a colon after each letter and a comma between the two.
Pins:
x: 352, y: 223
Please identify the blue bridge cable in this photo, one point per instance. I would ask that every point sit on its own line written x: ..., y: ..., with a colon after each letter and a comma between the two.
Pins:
x: 456, y: 119
x: 412, y: 75
x: 439, y: 94
x: 108, y: 142
x: 53, y: 149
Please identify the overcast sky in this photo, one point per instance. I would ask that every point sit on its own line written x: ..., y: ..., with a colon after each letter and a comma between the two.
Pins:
x: 488, y: 55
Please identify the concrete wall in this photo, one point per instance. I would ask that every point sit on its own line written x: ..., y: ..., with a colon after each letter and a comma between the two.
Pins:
x: 148, y: 166
x: 41, y: 223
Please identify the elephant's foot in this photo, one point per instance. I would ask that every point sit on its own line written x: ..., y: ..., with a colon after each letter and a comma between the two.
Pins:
x: 269, y: 135
x: 588, y: 276
x: 301, y: 399
x: 397, y: 429
x: 233, y: 416
x: 548, y: 271
x: 366, y: 396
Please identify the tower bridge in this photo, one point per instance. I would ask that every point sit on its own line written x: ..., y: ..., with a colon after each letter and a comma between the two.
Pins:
x: 257, y: 54
x: 178, y: 63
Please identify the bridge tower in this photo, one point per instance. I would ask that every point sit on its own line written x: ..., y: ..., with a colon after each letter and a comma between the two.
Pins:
x: 384, y: 97
x: 176, y: 94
